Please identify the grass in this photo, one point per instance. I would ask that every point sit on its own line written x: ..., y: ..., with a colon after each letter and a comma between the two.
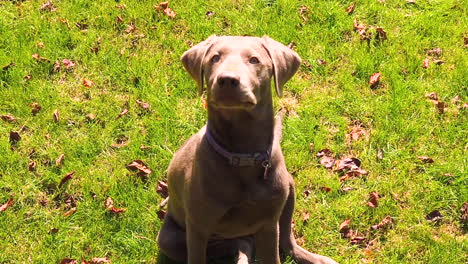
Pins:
x: 143, y: 64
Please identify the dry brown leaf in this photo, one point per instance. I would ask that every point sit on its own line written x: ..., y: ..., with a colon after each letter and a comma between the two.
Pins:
x: 374, y: 80
x: 436, y: 52
x: 130, y: 28
x: 48, y: 6
x: 87, y: 82
x: 373, y: 199
x: 465, y: 41
x: 307, y: 193
x: 434, y: 216
x: 356, y: 132
x: 425, y: 63
x: 56, y: 116
x: 162, y: 189
x: 432, y: 96
x: 35, y: 108
x: 32, y: 165
x: 27, y: 77
x: 385, y: 223
x: 347, y: 163
x: 138, y: 165
x: 6, y: 205
x: 70, y: 212
x: 305, y: 216
x: 161, y: 214
x: 90, y: 117
x: 143, y: 105
x: 350, y: 8
x: 8, y: 118
x: 321, y: 62
x: 325, y: 189
x: 324, y: 152
x: 7, y: 67
x: 345, y: 224
x: 381, y: 34
x: 68, y: 64
x: 59, y: 160
x: 109, y: 204
x: 119, y: 19
x: 68, y: 261
x: 464, y: 215
x: 38, y: 58
x: 169, y: 12
x: 347, y: 189
x: 327, y: 162
x: 425, y: 159
x: 124, y: 112
x: 438, y: 62
x: 14, y: 137
x: 66, y: 178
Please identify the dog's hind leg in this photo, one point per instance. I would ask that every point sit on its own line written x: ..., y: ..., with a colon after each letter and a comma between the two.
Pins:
x: 288, y: 244
x: 172, y: 241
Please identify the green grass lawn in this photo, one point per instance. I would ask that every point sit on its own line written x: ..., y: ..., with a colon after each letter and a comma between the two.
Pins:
x: 130, y: 51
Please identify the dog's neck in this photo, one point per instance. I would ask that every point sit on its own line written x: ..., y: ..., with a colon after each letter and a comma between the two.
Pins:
x: 243, y: 131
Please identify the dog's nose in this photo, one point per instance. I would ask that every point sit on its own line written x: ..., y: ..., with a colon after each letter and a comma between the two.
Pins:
x: 228, y: 79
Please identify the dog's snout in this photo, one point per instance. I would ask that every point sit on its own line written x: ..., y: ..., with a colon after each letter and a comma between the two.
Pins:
x: 229, y: 80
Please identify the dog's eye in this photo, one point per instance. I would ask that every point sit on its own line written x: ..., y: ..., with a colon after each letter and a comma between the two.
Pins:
x: 215, y: 58
x: 254, y: 60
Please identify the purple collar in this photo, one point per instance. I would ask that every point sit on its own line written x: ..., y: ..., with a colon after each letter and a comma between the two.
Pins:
x: 262, y: 159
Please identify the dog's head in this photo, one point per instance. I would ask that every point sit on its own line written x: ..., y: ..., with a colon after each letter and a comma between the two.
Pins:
x: 238, y: 70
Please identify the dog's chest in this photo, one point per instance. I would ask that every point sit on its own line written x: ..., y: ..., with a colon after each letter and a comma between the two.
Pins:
x: 260, y: 204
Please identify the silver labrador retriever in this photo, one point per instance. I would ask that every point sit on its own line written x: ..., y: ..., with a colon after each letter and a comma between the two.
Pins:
x: 229, y: 188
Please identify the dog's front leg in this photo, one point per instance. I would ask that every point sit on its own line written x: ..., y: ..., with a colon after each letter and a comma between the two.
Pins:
x: 266, y: 243
x: 196, y: 244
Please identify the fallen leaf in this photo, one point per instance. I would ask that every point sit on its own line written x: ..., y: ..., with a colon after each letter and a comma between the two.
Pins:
x: 138, y: 165
x: 385, y: 223
x: 7, y: 67
x: 425, y: 63
x: 109, y: 204
x: 437, y: 52
x: 347, y: 189
x: 373, y: 199
x: 321, y: 62
x: 143, y: 105
x: 347, y: 164
x: 100, y: 260
x: 324, y: 152
x: 40, y: 45
x: 305, y: 216
x: 345, y: 224
x: 120, y: 142
x: 87, y: 82
x: 425, y: 159
x: 434, y: 216
x: 6, y: 205
x: 124, y: 112
x: 130, y: 28
x: 307, y: 193
x: 379, y: 154
x: 27, y: 77
x: 209, y: 13
x: 325, y: 189
x: 32, y: 166
x: 70, y: 212
x: 465, y: 41
x: 356, y: 172
x: 303, y: 10
x: 56, y: 116
x: 441, y: 107
x: 39, y: 58
x: 432, y: 96
x: 162, y: 5
x: 8, y: 118
x: 90, y: 117
x: 48, y: 6
x: 374, y: 80
x: 464, y: 215
x: 68, y: 261
x: 68, y: 63
x: 66, y: 178
x: 381, y: 34
x: 204, y: 103
x: 35, y: 108
x: 53, y: 230
x: 162, y: 189
x: 161, y: 214
x: 438, y: 62
x: 121, y: 6
x: 81, y: 26
x: 350, y: 8
x: 14, y: 137
x: 356, y: 132
x: 119, y: 19
x: 169, y: 12
x: 357, y: 239
x: 361, y: 30
x: 327, y: 162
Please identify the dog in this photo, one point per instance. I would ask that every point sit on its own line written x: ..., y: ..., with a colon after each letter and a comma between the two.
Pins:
x: 230, y: 191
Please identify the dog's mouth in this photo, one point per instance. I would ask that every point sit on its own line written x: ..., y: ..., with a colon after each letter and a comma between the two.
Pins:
x: 228, y: 99
x: 221, y: 104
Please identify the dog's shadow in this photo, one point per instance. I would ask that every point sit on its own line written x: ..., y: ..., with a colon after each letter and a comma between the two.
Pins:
x: 162, y: 259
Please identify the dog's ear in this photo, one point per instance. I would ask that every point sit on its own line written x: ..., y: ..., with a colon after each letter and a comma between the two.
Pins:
x: 285, y: 62
x: 193, y: 61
